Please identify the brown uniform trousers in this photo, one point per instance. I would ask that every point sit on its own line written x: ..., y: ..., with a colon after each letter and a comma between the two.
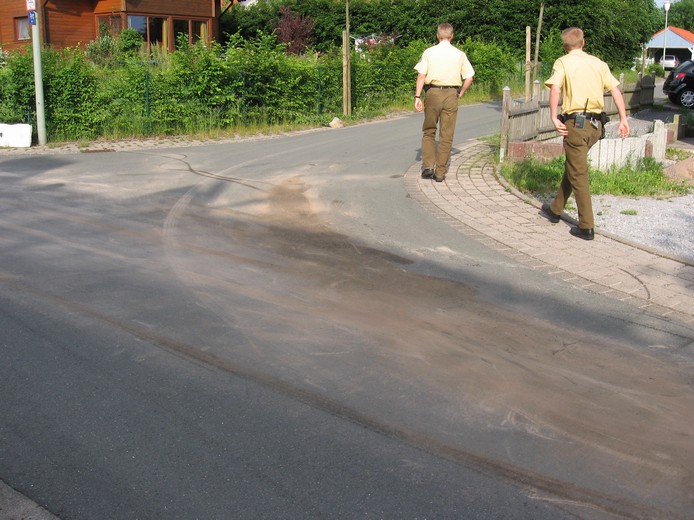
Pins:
x: 440, y: 110
x: 575, y: 178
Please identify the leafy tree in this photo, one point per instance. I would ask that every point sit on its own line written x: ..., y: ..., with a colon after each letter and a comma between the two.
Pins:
x: 492, y: 62
x: 614, y: 29
x: 681, y: 14
x: 249, y: 21
x: 551, y: 47
x: 295, y: 30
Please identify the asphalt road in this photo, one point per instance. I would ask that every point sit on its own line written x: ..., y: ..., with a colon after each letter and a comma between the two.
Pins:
x: 271, y: 328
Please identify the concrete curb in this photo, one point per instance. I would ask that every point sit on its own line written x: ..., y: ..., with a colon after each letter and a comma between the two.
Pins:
x: 475, y: 200
x: 567, y: 218
x: 15, y: 506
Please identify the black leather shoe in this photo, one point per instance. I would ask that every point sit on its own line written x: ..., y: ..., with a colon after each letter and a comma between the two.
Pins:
x: 551, y: 216
x: 585, y: 234
x: 428, y: 174
x: 439, y: 179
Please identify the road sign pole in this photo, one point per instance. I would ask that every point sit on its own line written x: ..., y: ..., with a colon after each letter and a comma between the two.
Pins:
x: 38, y: 76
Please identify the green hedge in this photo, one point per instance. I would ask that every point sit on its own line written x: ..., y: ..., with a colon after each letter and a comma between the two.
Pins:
x: 110, y: 90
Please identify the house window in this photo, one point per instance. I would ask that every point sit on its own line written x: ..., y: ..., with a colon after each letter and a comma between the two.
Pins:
x: 199, y: 31
x: 194, y: 30
x: 139, y: 23
x: 111, y: 24
x: 181, y: 27
x: 154, y: 30
x: 22, y: 28
x: 158, y: 31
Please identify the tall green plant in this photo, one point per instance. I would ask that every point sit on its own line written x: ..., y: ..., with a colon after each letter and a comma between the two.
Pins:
x: 17, y: 93
x: 493, y: 63
x: 70, y: 92
x: 213, y: 87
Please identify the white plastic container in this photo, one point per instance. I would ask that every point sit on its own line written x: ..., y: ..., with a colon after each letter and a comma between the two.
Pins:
x: 15, y: 136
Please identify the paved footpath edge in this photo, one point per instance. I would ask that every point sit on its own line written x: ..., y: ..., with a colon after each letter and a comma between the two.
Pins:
x: 475, y: 201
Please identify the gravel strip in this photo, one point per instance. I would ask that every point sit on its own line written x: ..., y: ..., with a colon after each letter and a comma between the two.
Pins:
x: 665, y: 225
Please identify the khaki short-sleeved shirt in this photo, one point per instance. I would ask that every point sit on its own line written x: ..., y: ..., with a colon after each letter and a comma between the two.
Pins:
x: 444, y: 65
x: 582, y: 77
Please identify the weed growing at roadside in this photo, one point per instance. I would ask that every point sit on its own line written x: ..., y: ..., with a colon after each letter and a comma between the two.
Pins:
x: 644, y: 179
x: 677, y: 154
x: 533, y: 176
x: 629, y: 212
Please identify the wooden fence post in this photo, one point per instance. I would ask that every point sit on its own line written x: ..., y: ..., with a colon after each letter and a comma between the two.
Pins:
x: 639, y: 85
x: 537, y: 101
x: 505, y: 109
x: 536, y: 90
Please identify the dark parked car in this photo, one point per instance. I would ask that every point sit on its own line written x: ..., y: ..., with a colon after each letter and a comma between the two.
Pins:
x: 679, y: 85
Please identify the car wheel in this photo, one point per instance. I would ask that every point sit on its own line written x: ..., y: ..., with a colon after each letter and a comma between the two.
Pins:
x: 674, y: 99
x: 687, y: 98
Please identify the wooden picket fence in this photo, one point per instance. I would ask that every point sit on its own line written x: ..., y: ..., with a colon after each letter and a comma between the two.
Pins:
x: 530, y: 120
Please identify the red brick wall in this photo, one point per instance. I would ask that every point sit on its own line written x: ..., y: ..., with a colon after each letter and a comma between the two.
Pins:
x: 540, y: 150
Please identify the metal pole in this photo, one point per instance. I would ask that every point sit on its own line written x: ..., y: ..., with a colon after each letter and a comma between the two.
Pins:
x: 38, y: 82
x: 666, y: 5
x: 346, y: 67
x: 147, y: 110
x: 528, y: 39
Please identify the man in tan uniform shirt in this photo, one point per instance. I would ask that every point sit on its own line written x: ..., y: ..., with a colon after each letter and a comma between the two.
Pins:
x: 445, y: 74
x: 583, y: 79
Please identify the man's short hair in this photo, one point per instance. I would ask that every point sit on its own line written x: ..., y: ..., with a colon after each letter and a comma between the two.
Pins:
x: 444, y: 31
x: 572, y: 38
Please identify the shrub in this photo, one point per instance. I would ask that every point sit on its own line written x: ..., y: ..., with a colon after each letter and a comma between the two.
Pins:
x: 108, y: 50
x: 70, y: 88
x: 644, y: 178
x: 130, y: 42
x: 116, y: 87
x: 657, y: 69
x: 17, y: 97
x: 493, y: 63
x: 103, y: 50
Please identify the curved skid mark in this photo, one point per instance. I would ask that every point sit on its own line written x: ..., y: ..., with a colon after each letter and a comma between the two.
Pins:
x: 643, y: 285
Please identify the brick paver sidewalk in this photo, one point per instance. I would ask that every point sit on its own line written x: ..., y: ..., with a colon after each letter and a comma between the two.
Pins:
x: 474, y: 201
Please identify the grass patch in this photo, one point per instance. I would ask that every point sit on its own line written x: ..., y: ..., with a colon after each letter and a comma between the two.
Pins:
x: 629, y: 212
x: 677, y: 154
x: 533, y: 176
x: 643, y: 179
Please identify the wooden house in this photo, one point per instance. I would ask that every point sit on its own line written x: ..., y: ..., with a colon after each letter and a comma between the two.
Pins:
x: 69, y: 23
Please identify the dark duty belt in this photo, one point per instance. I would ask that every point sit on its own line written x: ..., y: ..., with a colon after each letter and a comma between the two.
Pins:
x: 589, y: 115
x: 426, y: 87
x: 602, y: 117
